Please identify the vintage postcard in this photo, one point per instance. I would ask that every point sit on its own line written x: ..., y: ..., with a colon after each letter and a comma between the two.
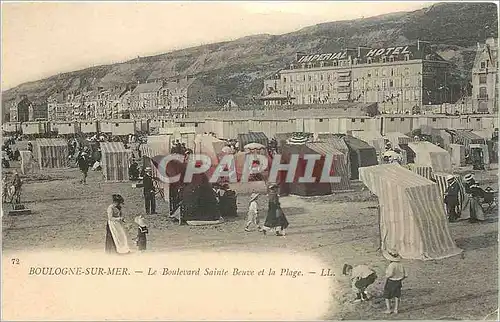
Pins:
x: 249, y: 161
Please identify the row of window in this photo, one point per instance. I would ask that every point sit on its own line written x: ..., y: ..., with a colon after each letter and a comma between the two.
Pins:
x: 368, y: 85
x: 345, y: 75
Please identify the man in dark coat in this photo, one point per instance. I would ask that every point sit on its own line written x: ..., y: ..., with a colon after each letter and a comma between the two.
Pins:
x: 83, y: 161
x: 451, y: 198
x: 149, y: 192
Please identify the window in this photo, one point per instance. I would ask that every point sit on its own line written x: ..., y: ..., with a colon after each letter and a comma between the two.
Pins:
x: 434, y: 119
x: 320, y: 120
x: 391, y: 83
x: 383, y: 59
x: 310, y: 77
x: 478, y: 120
x: 392, y: 72
x: 482, y: 79
x: 384, y: 83
x: 402, y: 119
x: 407, y: 57
x: 391, y: 58
x: 321, y: 77
x: 353, y: 120
x: 392, y: 119
x: 335, y: 63
x: 322, y: 87
x: 483, y: 64
x: 362, y: 120
x: 369, y: 74
x: 116, y: 124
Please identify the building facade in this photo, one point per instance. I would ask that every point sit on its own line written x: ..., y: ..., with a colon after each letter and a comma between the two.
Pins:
x: 188, y: 93
x: 21, y: 109
x: 399, y: 78
x: 485, y: 77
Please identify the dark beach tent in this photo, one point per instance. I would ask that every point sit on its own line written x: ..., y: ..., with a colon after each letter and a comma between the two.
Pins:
x: 252, y: 137
x: 360, y: 155
x: 198, y: 198
x: 316, y: 188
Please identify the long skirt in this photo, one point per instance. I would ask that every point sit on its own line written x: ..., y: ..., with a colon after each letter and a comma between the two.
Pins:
x: 275, y: 217
x: 115, y: 233
x: 110, y: 246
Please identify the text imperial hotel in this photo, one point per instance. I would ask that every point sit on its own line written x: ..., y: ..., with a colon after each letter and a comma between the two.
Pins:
x: 398, y: 78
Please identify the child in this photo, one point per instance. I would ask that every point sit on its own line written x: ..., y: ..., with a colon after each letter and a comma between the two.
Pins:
x: 362, y: 276
x: 253, y: 212
x: 395, y: 274
x: 141, y: 240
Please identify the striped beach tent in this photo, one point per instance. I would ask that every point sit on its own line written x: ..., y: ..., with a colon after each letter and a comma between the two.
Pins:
x: 421, y: 170
x: 467, y: 138
x: 430, y: 155
x: 412, y: 215
x: 114, y: 161
x: 338, y: 143
x: 299, y: 138
x: 340, y: 165
x: 398, y: 138
x: 52, y: 153
x: 443, y: 185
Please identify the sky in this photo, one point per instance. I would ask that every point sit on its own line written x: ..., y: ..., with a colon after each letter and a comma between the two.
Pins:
x: 41, y: 39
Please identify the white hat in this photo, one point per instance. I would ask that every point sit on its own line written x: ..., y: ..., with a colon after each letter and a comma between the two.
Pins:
x: 392, y: 255
x: 254, y: 196
x: 140, y: 221
x: 469, y: 177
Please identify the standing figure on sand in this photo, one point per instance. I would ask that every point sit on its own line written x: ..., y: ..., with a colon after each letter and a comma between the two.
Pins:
x: 116, y: 238
x: 276, y: 218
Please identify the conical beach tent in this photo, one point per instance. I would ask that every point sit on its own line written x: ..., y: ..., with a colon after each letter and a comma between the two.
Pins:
x: 412, y: 217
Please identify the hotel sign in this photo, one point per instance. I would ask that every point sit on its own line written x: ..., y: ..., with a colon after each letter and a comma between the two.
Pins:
x: 322, y: 57
x: 388, y: 51
x: 343, y: 54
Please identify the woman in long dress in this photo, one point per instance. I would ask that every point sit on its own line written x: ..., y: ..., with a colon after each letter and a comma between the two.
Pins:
x: 276, y: 218
x: 116, y: 238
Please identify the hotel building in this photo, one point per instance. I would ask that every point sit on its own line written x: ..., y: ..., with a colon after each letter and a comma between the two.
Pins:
x: 399, y: 78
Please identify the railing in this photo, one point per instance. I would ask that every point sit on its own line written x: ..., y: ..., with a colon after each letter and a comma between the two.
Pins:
x: 343, y: 89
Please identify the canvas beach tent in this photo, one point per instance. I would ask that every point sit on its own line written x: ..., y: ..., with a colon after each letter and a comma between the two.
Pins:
x: 467, y: 138
x: 430, y: 155
x: 373, y: 138
x: 252, y: 137
x: 360, y: 155
x: 412, y: 215
x: 210, y: 146
x: 339, y: 163
x: 316, y: 188
x: 114, y: 161
x: 398, y: 138
x: 457, y: 154
x: 339, y: 144
x: 28, y: 163
x: 52, y: 153
x: 421, y: 170
x: 463, y: 197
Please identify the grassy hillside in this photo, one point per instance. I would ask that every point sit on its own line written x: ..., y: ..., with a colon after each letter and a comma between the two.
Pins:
x: 238, y: 67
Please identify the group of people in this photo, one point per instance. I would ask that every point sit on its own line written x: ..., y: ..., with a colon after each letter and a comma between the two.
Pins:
x: 275, y: 220
x: 470, y: 193
x: 362, y: 276
x: 116, y: 236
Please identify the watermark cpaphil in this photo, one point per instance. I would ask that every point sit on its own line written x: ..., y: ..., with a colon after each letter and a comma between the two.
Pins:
x: 173, y: 168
